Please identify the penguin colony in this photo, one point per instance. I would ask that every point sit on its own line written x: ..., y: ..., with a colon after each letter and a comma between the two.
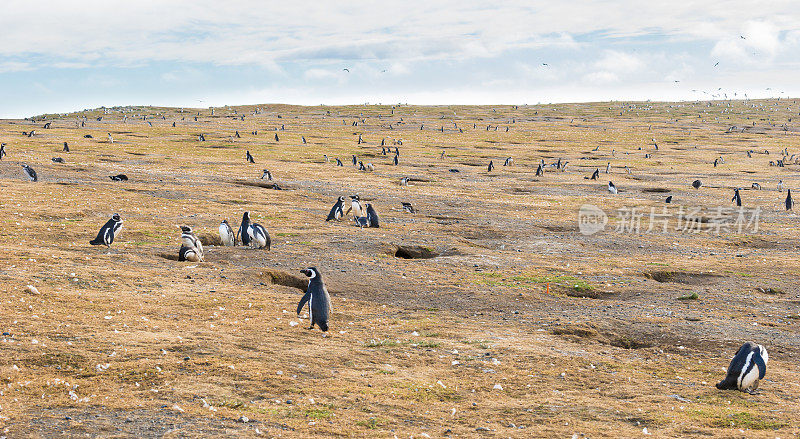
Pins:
x: 746, y: 369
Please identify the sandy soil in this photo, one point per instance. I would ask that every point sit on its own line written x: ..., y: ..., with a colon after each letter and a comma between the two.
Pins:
x: 506, y: 322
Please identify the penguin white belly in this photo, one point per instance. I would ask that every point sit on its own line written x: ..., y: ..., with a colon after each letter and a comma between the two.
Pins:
x: 258, y: 239
x: 225, y: 237
x: 749, y: 379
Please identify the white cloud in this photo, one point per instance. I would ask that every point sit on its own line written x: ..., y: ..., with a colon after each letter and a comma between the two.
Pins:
x: 14, y: 66
x: 254, y: 32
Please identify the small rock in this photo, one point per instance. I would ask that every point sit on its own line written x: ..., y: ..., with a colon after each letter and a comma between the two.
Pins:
x: 31, y: 290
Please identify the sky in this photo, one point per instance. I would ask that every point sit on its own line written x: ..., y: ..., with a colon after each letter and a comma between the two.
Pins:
x: 63, y: 55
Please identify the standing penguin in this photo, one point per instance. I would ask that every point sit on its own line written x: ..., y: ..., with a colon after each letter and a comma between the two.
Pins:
x: 355, y: 160
x: 608, y: 168
x: 595, y: 174
x: 780, y: 186
x: 30, y: 172
x: 319, y: 301
x: 539, y: 170
x: 2, y: 150
x: 396, y: 159
x: 259, y: 236
x: 736, y: 197
x: 267, y: 175
x: 244, y: 229
x: 668, y: 200
x: 191, y: 248
x: 339, y: 162
x: 491, y: 165
x: 337, y: 211
x: 747, y: 367
x: 372, y: 217
x: 789, y: 201
x: 248, y: 157
x: 612, y: 188
x: 66, y: 147
x: 355, y: 206
x: 108, y: 232
x: 226, y: 234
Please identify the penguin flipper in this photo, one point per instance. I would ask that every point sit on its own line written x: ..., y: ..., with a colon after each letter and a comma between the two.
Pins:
x: 762, y: 367
x: 303, y: 301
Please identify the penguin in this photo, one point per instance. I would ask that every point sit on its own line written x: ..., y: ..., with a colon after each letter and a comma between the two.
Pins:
x: 248, y: 157
x: 361, y: 221
x: 509, y: 162
x: 226, y: 234
x: 191, y: 248
x: 355, y: 206
x: 57, y: 160
x: 747, y: 367
x: 337, y: 211
x: 304, y: 139
x: 539, y: 170
x: 396, y: 159
x: 244, y: 230
x: 696, y: 184
x: 715, y: 162
x: 267, y: 175
x: 110, y: 139
x: 756, y: 186
x: 237, y: 135
x: 789, y: 201
x: 608, y: 168
x: 595, y: 174
x: 259, y: 236
x: 407, y: 207
x: 442, y: 156
x: 108, y: 232
x: 668, y: 200
x: 355, y: 160
x: 736, y: 197
x: 339, y: 162
x: 361, y: 166
x: 491, y: 166
x: 558, y: 164
x: 2, y: 150
x: 118, y: 177
x: 319, y: 301
x: 276, y: 137
x: 66, y: 147
x: 612, y: 188
x: 372, y: 217
x: 30, y: 172
x: 780, y: 186
x: 369, y: 167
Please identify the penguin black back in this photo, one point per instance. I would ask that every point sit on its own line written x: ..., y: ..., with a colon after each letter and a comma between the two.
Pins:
x: 789, y: 201
x: 372, y: 217
x: 243, y: 229
x: 319, y: 301
x: 337, y: 211
x: 108, y: 232
x: 747, y: 367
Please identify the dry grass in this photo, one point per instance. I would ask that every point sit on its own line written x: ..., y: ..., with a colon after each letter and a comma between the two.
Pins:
x: 130, y: 342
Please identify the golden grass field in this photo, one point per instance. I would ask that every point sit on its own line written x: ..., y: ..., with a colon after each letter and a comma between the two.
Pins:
x: 128, y: 342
